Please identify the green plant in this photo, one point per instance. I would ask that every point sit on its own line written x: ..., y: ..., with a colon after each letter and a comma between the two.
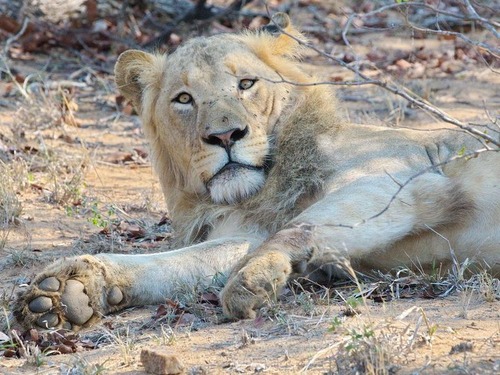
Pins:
x: 306, y: 302
x: 352, y: 305
x: 99, y: 218
x: 336, y: 324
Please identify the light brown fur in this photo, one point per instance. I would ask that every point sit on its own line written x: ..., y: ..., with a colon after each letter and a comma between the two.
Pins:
x: 309, y: 194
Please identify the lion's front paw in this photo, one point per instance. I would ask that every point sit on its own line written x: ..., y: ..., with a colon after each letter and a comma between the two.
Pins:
x: 256, y: 280
x: 70, y: 294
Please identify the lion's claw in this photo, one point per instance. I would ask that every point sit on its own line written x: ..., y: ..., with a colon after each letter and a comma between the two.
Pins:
x: 255, y: 281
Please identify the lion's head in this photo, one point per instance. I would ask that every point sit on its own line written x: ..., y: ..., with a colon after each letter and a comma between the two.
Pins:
x: 211, y: 107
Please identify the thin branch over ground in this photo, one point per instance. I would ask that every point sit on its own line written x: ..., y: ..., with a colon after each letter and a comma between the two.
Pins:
x: 399, y: 90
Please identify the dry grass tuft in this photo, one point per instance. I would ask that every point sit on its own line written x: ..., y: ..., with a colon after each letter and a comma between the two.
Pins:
x: 13, y: 178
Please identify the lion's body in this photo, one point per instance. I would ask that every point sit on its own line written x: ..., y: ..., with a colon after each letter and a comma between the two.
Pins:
x: 262, y: 176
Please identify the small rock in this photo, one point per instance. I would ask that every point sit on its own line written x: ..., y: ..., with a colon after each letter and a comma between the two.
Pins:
x: 258, y: 367
x: 403, y: 64
x: 198, y: 370
x: 161, y: 362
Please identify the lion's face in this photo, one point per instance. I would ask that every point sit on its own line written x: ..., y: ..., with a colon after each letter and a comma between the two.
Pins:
x: 218, y: 109
x: 209, y: 110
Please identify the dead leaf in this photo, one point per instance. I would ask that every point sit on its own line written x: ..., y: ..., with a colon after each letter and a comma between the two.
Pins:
x: 8, y: 24
x: 92, y: 12
x: 9, y: 353
x: 348, y: 58
x: 128, y: 109
x: 64, y: 349
x: 186, y: 319
x: 376, y: 56
x: 141, y: 152
x: 119, y: 157
x: 403, y: 64
x: 452, y: 67
x: 33, y: 335
x: 336, y: 78
x: 210, y: 298
x: 131, y: 230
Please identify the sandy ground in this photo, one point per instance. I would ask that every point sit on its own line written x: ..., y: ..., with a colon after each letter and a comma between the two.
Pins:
x: 459, y: 334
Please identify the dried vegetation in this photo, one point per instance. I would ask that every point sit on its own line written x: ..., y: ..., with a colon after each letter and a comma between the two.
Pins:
x: 61, y: 121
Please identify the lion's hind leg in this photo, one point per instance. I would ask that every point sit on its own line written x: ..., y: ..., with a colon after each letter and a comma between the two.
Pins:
x: 71, y: 294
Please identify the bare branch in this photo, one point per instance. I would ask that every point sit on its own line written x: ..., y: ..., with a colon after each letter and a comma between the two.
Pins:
x: 5, y: 53
x: 473, y: 16
x: 15, y: 37
x: 320, y: 83
x: 468, y: 155
x: 483, y: 21
x: 493, y: 50
x: 400, y: 91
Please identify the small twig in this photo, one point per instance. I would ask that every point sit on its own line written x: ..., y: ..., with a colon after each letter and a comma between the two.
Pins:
x: 15, y: 37
x: 494, y: 120
x: 483, y: 21
x: 493, y: 50
x: 422, y: 172
x: 322, y: 352
x: 473, y: 16
x: 319, y: 83
x: 5, y: 54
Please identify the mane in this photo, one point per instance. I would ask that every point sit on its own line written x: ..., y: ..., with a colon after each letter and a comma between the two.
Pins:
x: 298, y: 171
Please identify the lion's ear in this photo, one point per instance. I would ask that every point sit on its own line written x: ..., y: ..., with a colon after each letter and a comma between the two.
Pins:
x: 279, y: 21
x: 134, y: 70
x: 287, y: 43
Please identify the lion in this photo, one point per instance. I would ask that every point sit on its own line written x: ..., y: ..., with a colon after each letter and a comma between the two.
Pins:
x: 266, y: 182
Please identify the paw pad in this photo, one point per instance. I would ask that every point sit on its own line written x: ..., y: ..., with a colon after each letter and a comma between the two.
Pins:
x: 115, y: 296
x: 50, y: 284
x: 48, y: 320
x: 40, y: 304
x: 76, y: 303
x: 71, y: 294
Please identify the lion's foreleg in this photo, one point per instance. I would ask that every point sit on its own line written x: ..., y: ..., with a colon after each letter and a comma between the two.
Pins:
x: 76, y: 292
x: 260, y: 275
x: 356, y: 222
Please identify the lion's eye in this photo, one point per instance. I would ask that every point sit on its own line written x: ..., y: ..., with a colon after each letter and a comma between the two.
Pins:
x: 183, y: 98
x: 246, y: 83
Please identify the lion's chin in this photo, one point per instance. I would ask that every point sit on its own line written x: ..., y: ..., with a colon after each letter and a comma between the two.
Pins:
x: 233, y: 185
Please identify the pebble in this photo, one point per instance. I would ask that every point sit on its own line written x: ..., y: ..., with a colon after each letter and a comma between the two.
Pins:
x: 161, y: 362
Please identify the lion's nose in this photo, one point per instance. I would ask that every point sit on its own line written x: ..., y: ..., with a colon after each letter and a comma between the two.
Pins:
x: 226, y: 139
